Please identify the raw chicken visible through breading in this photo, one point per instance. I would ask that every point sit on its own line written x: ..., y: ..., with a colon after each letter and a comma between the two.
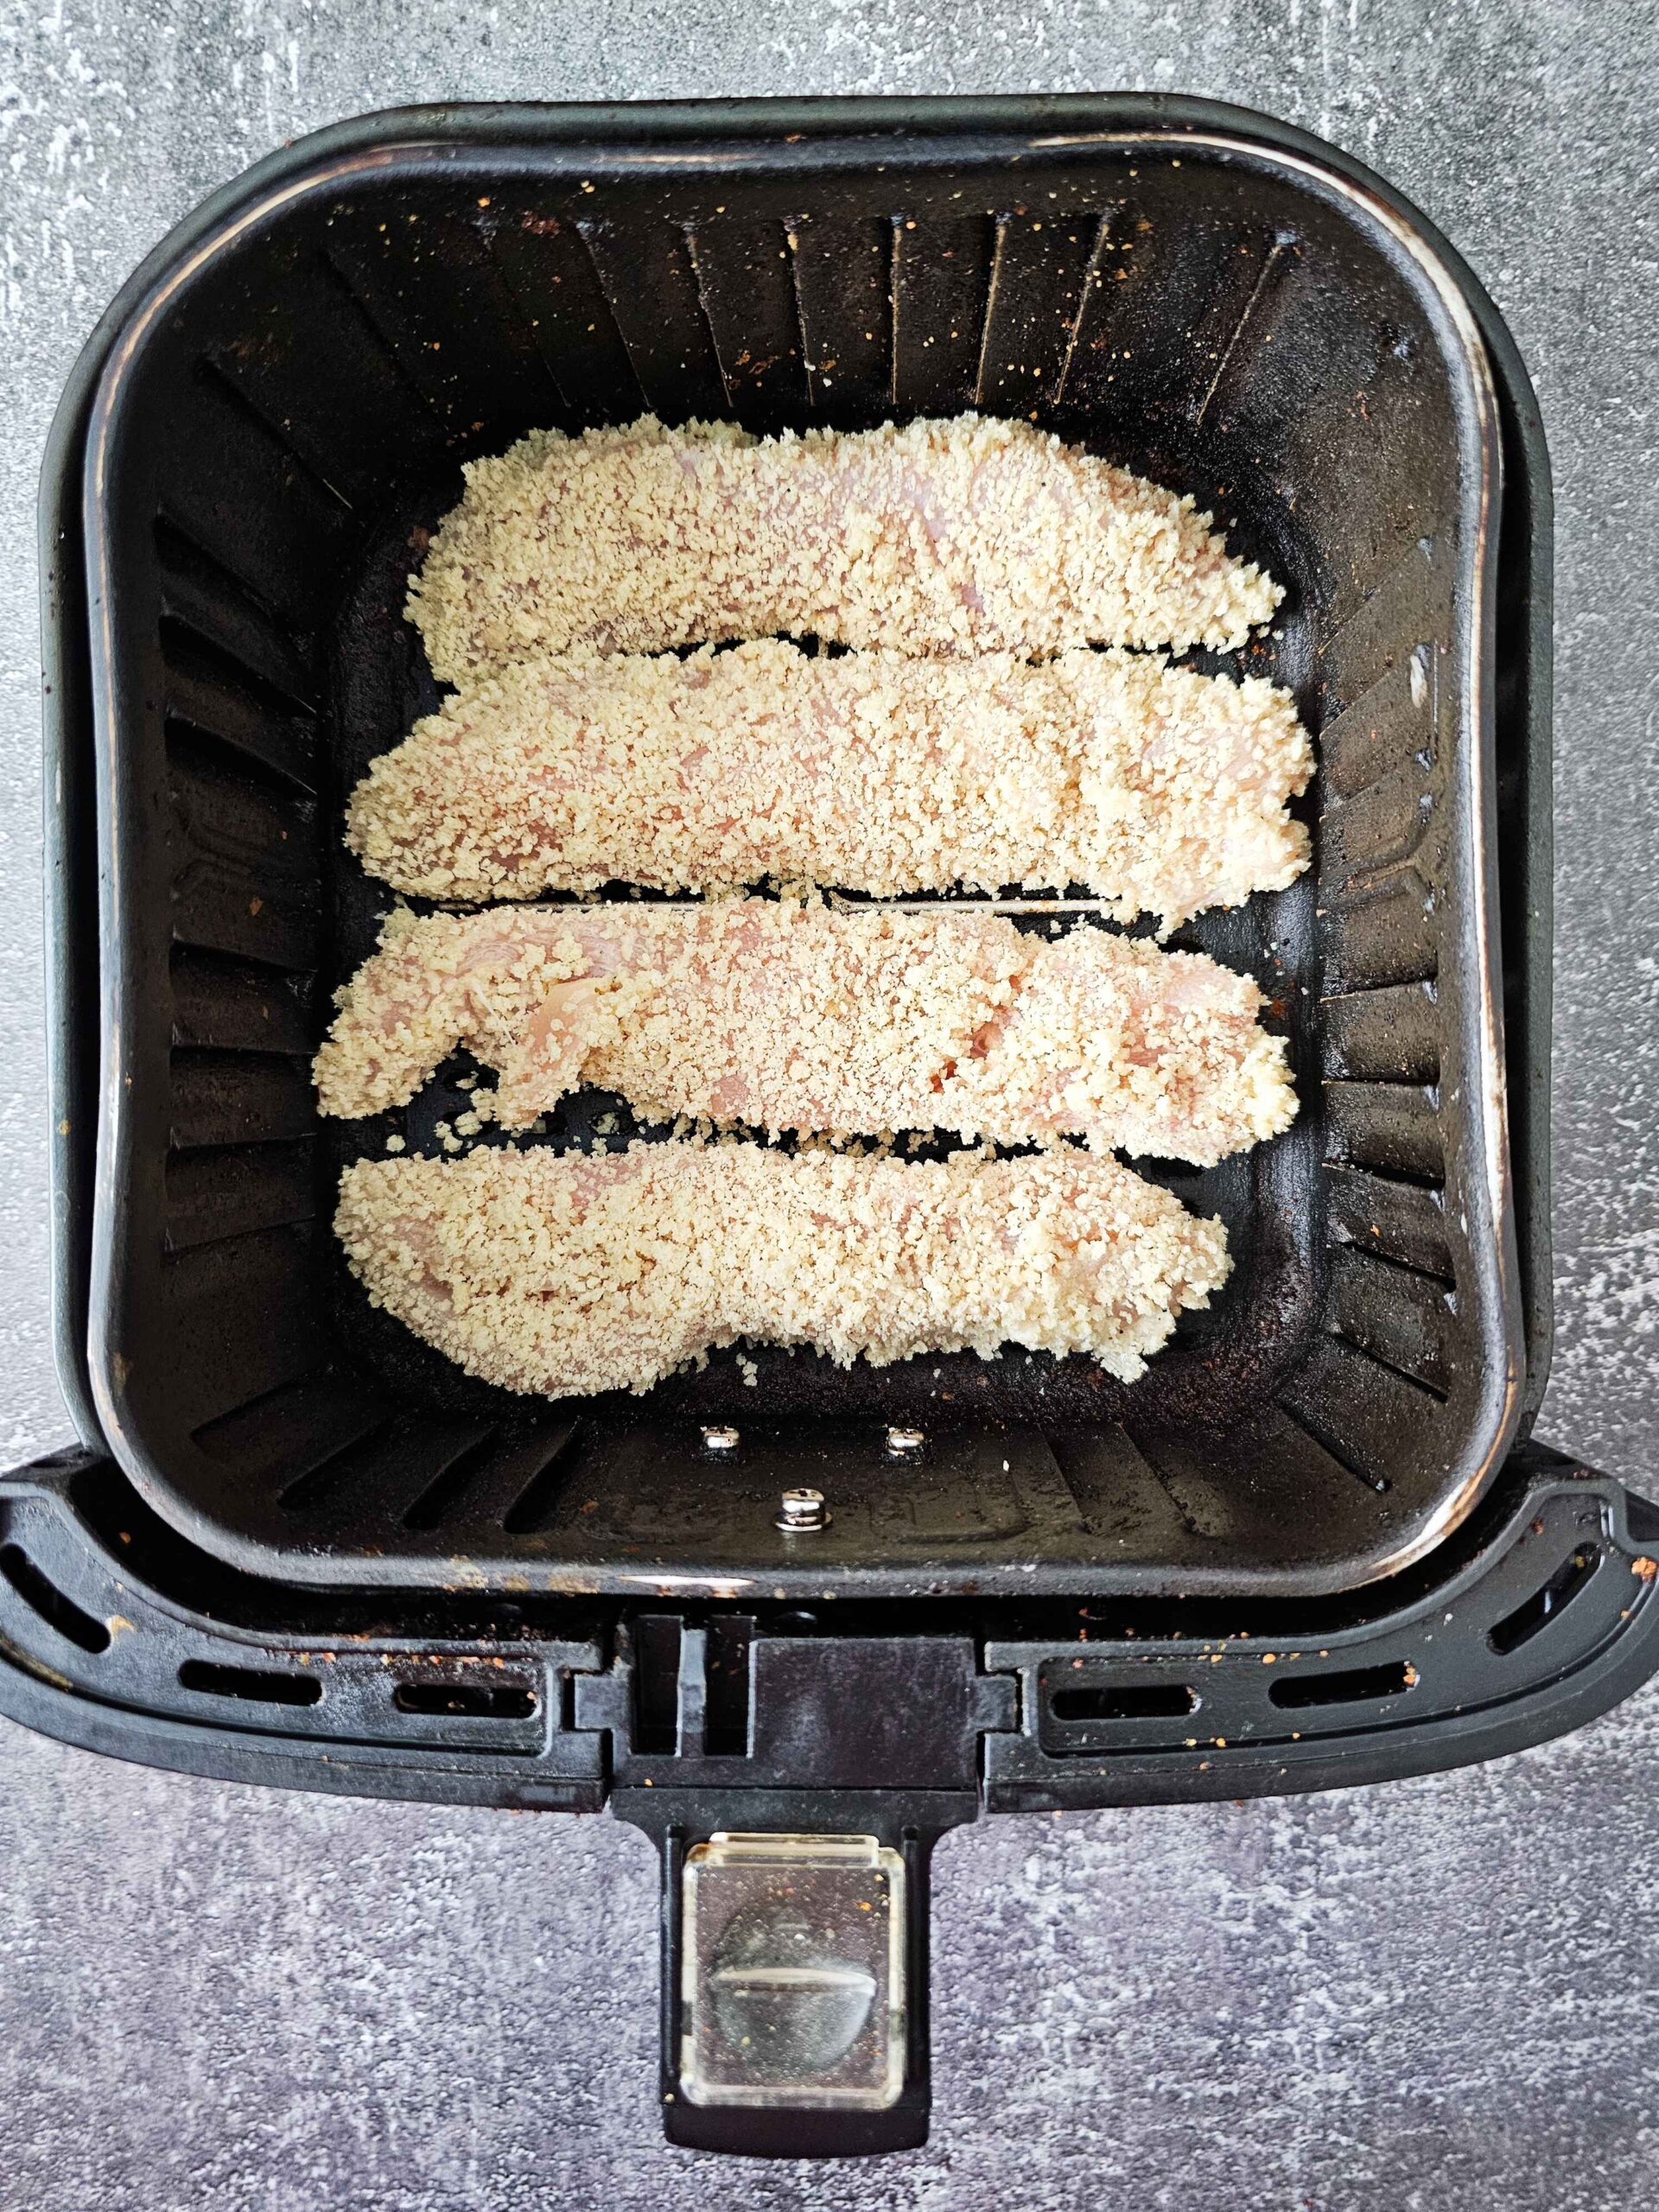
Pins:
x: 955, y: 537
x: 801, y: 1019
x: 568, y: 1274
x: 1162, y: 791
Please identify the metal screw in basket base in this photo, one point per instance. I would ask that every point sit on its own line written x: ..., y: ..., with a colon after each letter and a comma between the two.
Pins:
x: 904, y: 1443
x: 719, y: 1443
x: 800, y: 1511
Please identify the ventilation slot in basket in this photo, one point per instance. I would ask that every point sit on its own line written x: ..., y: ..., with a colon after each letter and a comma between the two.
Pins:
x: 362, y: 426
x: 219, y: 371
x: 1404, y: 1221
x: 1316, y: 1429
x: 236, y: 1005
x: 43, y: 1597
x: 1392, y: 1127
x: 1124, y: 1701
x: 1040, y: 275
x: 274, y: 1441
x: 1388, y: 1035
x: 1242, y: 329
x: 656, y: 1684
x: 726, y: 1686
x: 252, y: 1685
x: 385, y: 1470
x: 1353, y: 1686
x: 436, y: 1502
x: 550, y: 275
x: 845, y: 298
x: 1546, y: 1604
x: 221, y: 1097
x: 745, y: 289
x: 466, y: 1700
x: 1361, y: 1409
x: 1175, y: 316
x: 255, y: 533
x: 534, y: 1506
x: 941, y: 282
x: 236, y: 1190
x: 1382, y: 934
x: 1390, y: 1313
x: 245, y: 880
x: 262, y: 733
x: 651, y: 291
x: 420, y: 281
x: 204, y: 603
x: 246, y: 919
x: 1389, y: 725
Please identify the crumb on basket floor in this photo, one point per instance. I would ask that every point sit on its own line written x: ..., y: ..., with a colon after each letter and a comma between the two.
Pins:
x: 946, y: 537
x: 799, y: 1018
x: 1163, y: 791
x: 564, y: 1274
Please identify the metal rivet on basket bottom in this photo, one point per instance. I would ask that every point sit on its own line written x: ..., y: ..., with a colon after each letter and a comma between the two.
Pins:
x: 904, y: 1443
x: 800, y: 1510
x: 721, y: 1441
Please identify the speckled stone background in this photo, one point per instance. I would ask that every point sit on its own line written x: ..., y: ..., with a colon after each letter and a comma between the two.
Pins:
x: 1437, y: 1994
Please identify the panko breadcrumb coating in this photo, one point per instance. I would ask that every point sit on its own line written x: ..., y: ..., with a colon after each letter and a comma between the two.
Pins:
x: 1163, y: 791
x: 562, y: 1273
x: 957, y: 536
x: 799, y: 1019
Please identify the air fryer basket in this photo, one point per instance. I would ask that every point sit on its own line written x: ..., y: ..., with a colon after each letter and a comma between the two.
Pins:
x: 280, y: 422
x: 297, y: 1548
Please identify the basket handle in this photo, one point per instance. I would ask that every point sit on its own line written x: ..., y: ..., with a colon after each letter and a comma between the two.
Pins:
x: 794, y: 1971
x: 795, y: 1840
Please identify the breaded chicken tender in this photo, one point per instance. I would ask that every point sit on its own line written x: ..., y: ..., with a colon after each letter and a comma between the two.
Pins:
x: 802, y: 1019
x: 568, y: 1274
x: 969, y: 536
x: 1161, y: 791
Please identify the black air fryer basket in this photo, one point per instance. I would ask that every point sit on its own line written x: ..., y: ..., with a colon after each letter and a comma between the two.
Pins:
x: 1311, y: 1546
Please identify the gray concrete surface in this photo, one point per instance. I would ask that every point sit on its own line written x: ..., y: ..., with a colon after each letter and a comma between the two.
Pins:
x: 1436, y: 1992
